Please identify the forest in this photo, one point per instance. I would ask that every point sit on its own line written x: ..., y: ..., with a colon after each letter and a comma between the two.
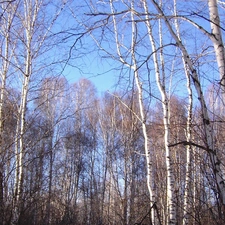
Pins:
x: 148, y: 151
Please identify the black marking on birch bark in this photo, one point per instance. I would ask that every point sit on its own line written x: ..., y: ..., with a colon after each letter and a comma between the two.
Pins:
x: 194, y: 79
x: 221, y: 81
x: 216, y: 171
x: 218, y: 162
x: 206, y: 121
x: 222, y: 182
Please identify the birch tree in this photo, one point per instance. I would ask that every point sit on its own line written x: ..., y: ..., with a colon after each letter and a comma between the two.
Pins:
x: 217, y: 39
x: 6, y: 56
x: 160, y: 78
x: 209, y: 134
x: 126, y: 53
x: 189, y: 158
x: 134, y: 67
x: 32, y: 44
x: 142, y: 116
x: 109, y: 142
x: 27, y: 20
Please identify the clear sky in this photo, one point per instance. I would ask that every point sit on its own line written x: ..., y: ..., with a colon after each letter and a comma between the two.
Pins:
x: 102, y: 79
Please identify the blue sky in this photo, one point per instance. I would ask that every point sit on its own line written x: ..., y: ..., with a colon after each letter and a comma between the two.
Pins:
x: 93, y: 65
x: 103, y: 80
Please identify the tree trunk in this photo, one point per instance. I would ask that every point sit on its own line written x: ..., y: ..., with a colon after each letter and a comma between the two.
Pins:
x: 189, y: 168
x: 188, y: 172
x: 208, y: 129
x: 6, y: 55
x: 20, y: 145
x: 171, y: 219
x: 217, y: 41
x: 150, y: 182
x: 21, y: 123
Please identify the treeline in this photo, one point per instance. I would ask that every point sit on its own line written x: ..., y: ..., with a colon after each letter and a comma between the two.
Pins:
x: 83, y: 160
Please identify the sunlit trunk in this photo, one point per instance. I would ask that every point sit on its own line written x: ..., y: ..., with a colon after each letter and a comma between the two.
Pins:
x: 20, y: 145
x: 188, y: 172
x: 189, y: 168
x: 4, y: 71
x: 6, y: 55
x: 160, y: 79
x: 217, y: 41
x: 143, y: 119
x: 208, y: 129
x: 21, y: 123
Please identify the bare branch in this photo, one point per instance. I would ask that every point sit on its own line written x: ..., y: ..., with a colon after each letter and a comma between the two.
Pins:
x: 190, y: 143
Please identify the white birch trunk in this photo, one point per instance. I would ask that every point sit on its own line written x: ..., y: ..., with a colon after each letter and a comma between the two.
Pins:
x: 171, y: 219
x: 188, y: 172
x: 150, y: 182
x: 19, y: 145
x: 217, y: 40
x: 21, y: 151
x: 21, y: 123
x: 188, y: 154
x: 6, y: 25
x: 27, y: 19
x: 209, y: 135
x: 134, y: 67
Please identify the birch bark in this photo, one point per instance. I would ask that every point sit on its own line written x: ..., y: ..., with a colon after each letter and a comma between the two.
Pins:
x: 21, y: 123
x: 217, y: 40
x: 188, y: 153
x: 31, y: 42
x: 187, y: 191
x: 171, y: 218
x: 208, y: 129
x: 134, y: 67
x: 6, y: 55
x: 150, y: 182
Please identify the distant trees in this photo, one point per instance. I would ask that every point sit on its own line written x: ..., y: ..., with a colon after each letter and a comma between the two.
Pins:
x: 25, y: 30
